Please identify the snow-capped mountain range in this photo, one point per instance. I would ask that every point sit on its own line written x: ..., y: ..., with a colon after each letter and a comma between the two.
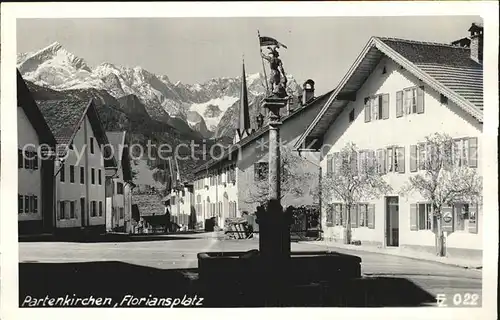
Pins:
x: 201, y: 106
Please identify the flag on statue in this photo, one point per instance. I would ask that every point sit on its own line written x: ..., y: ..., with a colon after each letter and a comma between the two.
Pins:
x: 268, y: 41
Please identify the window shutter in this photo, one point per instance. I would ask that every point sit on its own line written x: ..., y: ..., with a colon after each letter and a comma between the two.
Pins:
x: 329, y: 164
x: 344, y: 215
x: 35, y: 204
x: 354, y: 216
x: 401, y: 159
x: 413, y: 158
x: 473, y: 152
x: 367, y: 110
x: 26, y: 161
x: 385, y: 106
x: 20, y: 158
x: 336, y: 162
x: 399, y: 104
x: 413, y: 217
x: 26, y: 204
x: 420, y: 99
x: 354, y: 162
x: 35, y: 160
x: 20, y: 203
x: 374, y: 105
x: 329, y: 215
x: 371, y: 216
x: 447, y: 211
x: 473, y: 218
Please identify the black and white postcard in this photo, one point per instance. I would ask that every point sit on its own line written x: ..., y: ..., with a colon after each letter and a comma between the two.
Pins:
x: 299, y: 158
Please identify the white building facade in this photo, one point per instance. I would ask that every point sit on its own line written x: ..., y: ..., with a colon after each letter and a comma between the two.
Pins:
x: 395, y: 106
x: 81, y: 171
x: 35, y: 175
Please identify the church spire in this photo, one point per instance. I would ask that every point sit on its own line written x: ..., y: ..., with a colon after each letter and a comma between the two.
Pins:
x: 244, y: 120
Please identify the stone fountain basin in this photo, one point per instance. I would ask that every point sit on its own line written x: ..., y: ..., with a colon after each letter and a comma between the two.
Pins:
x: 302, y: 267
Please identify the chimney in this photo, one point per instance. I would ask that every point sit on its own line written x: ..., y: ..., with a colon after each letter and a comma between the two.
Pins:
x: 476, y: 43
x: 308, y: 92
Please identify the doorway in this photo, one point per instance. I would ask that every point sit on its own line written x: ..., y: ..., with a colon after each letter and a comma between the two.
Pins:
x: 392, y: 221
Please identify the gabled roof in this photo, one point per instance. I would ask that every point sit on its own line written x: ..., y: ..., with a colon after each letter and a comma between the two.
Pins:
x: 33, y: 113
x: 118, y: 140
x: 257, y: 134
x: 65, y: 117
x: 446, y: 68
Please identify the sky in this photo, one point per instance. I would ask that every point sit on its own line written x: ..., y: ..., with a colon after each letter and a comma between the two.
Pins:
x: 194, y: 50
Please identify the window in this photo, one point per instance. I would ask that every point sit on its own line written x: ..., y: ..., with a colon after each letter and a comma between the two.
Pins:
x: 93, y: 213
x: 62, y: 210
x: 363, y: 214
x: 351, y: 116
x: 377, y: 107
x: 92, y: 145
x: 100, y: 208
x: 72, y: 209
x: 122, y: 213
x: 395, y: 159
x: 82, y: 175
x: 119, y: 188
x: 62, y: 173
x: 465, y: 217
x: 92, y: 175
x: 72, y: 174
x: 261, y: 170
x: 100, y: 176
x: 410, y: 101
x: 425, y: 216
x: 20, y: 203
x: 29, y: 160
x: 464, y: 152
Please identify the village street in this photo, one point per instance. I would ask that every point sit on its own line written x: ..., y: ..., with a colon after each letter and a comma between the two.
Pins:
x: 116, y: 268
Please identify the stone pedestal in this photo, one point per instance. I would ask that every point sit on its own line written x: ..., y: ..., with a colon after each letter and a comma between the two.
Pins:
x: 274, y: 224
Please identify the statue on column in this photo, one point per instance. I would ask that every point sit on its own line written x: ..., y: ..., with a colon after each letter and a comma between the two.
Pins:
x: 277, y: 79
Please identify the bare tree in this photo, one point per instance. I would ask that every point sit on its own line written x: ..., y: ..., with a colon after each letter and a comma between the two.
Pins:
x: 443, y: 181
x: 295, y: 178
x: 352, y: 181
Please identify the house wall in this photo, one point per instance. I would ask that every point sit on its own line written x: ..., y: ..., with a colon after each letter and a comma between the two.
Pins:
x: 220, y: 194
x: 404, y: 131
x: 73, y: 191
x: 127, y: 198
x: 29, y: 180
x: 181, y: 206
x: 257, y: 151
